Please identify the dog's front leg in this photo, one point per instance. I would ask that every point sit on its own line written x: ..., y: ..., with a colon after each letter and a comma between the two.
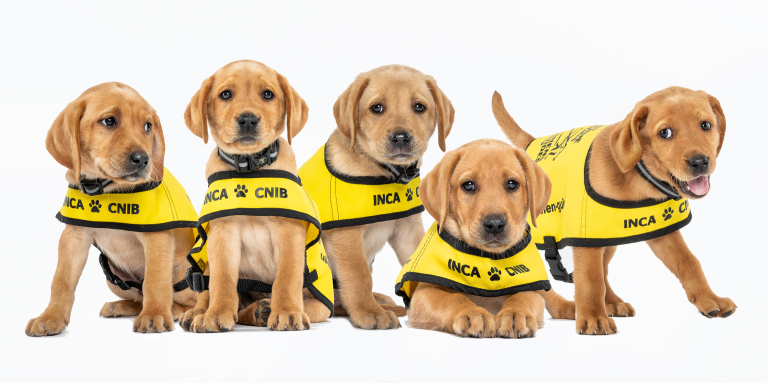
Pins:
x: 156, y: 315
x: 438, y: 308
x: 591, y: 316
x: 287, y: 299
x: 520, y: 316
x: 347, y: 249
x: 73, y: 253
x: 672, y: 250
x: 224, y: 252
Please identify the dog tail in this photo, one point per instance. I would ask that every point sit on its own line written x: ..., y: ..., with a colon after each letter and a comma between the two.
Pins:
x: 514, y: 133
x: 400, y: 311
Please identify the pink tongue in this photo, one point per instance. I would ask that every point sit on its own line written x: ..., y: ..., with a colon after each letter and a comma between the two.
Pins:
x: 699, y: 186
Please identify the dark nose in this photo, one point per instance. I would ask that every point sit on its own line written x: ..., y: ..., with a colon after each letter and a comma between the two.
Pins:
x: 139, y: 160
x: 699, y: 164
x: 494, y: 224
x: 400, y: 139
x: 247, y: 121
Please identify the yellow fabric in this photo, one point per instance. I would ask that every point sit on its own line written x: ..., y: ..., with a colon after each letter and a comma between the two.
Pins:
x: 575, y: 218
x: 353, y: 202
x: 163, y: 207
x: 438, y: 260
x: 266, y: 193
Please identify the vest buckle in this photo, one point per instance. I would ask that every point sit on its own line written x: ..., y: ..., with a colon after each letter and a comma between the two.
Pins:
x: 196, y: 281
x: 552, y: 256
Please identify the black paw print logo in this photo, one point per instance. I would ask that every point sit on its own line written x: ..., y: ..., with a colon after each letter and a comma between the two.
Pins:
x: 667, y: 213
x: 495, y: 274
x: 409, y: 194
x: 241, y: 191
x: 95, y: 206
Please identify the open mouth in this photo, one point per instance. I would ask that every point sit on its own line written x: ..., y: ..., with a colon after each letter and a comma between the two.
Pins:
x: 697, y: 187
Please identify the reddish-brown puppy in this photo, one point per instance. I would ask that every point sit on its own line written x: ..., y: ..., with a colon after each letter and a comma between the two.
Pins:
x: 380, y: 104
x: 678, y: 134
x: 269, y: 249
x: 94, y: 138
x: 462, y: 192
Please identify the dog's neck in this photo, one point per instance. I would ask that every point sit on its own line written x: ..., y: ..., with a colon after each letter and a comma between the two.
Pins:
x: 608, y: 180
x: 353, y: 162
x: 286, y: 160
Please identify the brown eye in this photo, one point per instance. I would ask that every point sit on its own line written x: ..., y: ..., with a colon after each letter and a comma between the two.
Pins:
x: 378, y: 108
x: 512, y: 185
x: 706, y: 125
x: 267, y: 95
x: 147, y: 127
x: 665, y: 133
x: 418, y: 108
x: 468, y: 186
x: 109, y: 122
x: 225, y: 95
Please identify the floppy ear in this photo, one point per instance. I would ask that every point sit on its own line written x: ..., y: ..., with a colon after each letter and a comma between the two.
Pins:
x: 435, y: 188
x: 626, y: 143
x: 514, y: 133
x: 63, y: 140
x: 158, y: 149
x: 538, y: 184
x: 196, y: 115
x: 720, y: 120
x: 296, y: 110
x: 445, y: 112
x: 345, y: 108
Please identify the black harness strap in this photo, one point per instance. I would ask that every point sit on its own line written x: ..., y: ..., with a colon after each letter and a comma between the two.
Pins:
x: 247, y: 163
x: 127, y: 285
x: 663, y: 187
x: 554, y: 260
x: 93, y: 187
x: 403, y: 174
x: 199, y: 282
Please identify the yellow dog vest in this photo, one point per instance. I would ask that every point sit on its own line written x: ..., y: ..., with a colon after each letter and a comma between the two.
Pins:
x: 264, y: 193
x: 351, y: 201
x: 578, y: 216
x: 444, y: 260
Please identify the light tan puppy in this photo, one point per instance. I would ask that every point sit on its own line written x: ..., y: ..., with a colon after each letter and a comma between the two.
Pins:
x: 386, y: 116
x: 485, y: 207
x: 101, y: 135
x: 246, y: 106
x: 678, y: 134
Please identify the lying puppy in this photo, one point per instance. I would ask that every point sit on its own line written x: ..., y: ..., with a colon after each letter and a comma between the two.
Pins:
x: 476, y: 271
x: 625, y: 183
x: 366, y: 181
x: 260, y: 231
x: 122, y: 201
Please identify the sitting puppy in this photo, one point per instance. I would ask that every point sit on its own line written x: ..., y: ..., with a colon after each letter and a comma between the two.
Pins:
x: 259, y: 230
x: 365, y: 180
x: 625, y: 183
x: 476, y: 271
x: 122, y: 201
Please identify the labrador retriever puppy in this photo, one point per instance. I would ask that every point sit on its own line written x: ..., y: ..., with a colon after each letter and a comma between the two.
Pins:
x: 665, y: 150
x: 384, y: 121
x: 483, y: 210
x: 110, y: 133
x: 246, y: 106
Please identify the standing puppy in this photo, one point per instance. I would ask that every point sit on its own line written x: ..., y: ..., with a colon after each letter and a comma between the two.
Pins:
x: 476, y: 272
x: 259, y: 230
x: 122, y: 201
x: 625, y: 183
x: 365, y: 180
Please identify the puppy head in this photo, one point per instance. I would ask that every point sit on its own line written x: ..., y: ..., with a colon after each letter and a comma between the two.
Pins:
x: 484, y: 191
x: 246, y: 105
x: 678, y: 133
x: 390, y: 113
x: 109, y: 132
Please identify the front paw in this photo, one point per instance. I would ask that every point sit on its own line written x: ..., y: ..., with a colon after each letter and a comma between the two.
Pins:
x: 119, y: 309
x: 513, y: 323
x: 149, y: 322
x: 595, y: 325
x: 475, y: 322
x: 46, y: 325
x: 619, y: 309
x: 185, y: 321
x: 288, y: 320
x: 712, y: 306
x: 213, y: 321
x: 373, y: 319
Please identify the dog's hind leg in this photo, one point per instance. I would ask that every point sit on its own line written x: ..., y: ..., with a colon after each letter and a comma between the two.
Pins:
x: 614, y: 306
x: 256, y: 314
x: 557, y: 306
x: 129, y: 306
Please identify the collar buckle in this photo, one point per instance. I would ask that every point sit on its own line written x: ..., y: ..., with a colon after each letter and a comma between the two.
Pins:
x: 91, y: 187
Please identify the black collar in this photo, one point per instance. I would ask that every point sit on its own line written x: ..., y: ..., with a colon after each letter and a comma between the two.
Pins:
x: 403, y: 174
x: 663, y: 187
x: 251, y: 162
x: 93, y: 187
x: 467, y: 249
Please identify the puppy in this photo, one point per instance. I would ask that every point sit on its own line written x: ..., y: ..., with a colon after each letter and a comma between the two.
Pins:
x: 625, y: 183
x: 365, y: 181
x: 252, y: 219
x: 111, y: 141
x: 476, y: 271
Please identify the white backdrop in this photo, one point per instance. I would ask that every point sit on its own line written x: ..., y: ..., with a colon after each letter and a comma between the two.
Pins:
x: 558, y: 66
